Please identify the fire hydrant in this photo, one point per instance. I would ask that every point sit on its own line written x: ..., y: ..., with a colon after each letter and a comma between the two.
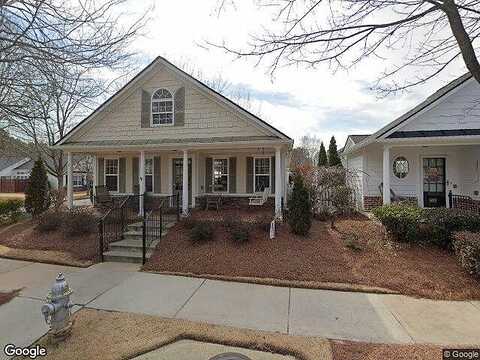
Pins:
x: 57, y: 309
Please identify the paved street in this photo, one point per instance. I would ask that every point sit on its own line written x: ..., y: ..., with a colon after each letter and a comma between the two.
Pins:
x: 329, y: 314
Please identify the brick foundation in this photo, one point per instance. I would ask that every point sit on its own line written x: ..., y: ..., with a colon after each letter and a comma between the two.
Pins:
x: 234, y: 202
x: 370, y: 202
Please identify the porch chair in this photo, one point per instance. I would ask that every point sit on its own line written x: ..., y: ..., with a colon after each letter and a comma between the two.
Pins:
x: 213, y: 200
x: 260, y: 199
x: 393, y: 196
x: 103, y: 197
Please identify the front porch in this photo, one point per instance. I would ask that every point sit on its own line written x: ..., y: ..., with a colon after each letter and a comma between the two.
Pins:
x: 232, y: 173
x: 430, y: 175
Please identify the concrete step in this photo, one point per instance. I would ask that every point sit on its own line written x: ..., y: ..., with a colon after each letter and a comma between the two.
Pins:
x: 137, y: 235
x: 138, y: 226
x: 125, y: 256
x: 131, y: 245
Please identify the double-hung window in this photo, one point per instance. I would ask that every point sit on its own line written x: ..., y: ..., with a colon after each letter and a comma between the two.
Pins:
x: 220, y: 175
x: 261, y: 173
x: 111, y: 174
x: 149, y: 175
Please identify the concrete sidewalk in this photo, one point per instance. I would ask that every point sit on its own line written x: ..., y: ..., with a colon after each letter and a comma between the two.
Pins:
x: 329, y: 314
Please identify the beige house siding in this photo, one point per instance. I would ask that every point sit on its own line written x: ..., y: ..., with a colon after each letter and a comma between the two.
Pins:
x: 204, y: 118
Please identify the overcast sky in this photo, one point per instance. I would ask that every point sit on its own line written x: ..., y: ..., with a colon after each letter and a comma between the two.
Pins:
x: 297, y: 101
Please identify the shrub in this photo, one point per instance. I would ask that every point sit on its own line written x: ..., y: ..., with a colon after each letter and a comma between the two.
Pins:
x: 300, y: 208
x: 79, y: 221
x: 10, y: 210
x: 240, y: 233
x: 229, y: 222
x: 467, y: 249
x: 400, y: 221
x: 50, y: 221
x: 37, y: 197
x: 201, y: 232
x: 351, y: 242
x: 189, y: 223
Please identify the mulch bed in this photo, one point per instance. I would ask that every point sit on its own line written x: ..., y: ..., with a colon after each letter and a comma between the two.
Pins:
x: 321, y: 257
x: 5, y: 297
x: 346, y: 350
x: 24, y: 236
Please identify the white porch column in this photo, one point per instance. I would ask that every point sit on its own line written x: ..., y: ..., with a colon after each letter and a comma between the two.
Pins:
x: 194, y: 177
x: 278, y: 182
x: 95, y: 180
x: 141, y: 181
x: 185, y: 184
x: 386, y: 175
x: 69, y: 180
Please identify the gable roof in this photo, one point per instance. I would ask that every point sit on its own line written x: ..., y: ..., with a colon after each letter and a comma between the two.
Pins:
x: 436, y: 96
x: 202, y: 86
x: 7, y: 161
x: 357, y: 138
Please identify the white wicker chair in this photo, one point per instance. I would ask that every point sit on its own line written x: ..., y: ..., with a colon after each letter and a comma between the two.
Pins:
x: 260, y: 199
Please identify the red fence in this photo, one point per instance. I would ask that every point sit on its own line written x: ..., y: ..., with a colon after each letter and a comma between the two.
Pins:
x: 8, y: 185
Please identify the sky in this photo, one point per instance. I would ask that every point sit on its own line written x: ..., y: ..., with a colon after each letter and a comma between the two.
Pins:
x: 297, y: 100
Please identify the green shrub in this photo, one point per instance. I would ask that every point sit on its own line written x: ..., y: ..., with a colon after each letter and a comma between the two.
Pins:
x: 240, y: 233
x: 50, y: 221
x: 467, y: 249
x: 10, y: 210
x: 201, y: 232
x: 400, y: 221
x: 79, y: 221
x: 37, y: 196
x: 189, y: 223
x: 300, y: 208
x: 230, y: 221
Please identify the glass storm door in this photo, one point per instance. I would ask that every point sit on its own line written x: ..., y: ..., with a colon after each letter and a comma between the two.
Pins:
x: 177, y: 183
x: 434, y: 182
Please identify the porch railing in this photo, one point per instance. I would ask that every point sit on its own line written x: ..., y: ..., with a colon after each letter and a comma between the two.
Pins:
x: 463, y: 202
x: 156, y: 219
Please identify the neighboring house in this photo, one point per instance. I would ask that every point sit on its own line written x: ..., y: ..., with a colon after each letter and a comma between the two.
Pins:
x: 82, y: 173
x: 424, y: 154
x: 19, y: 168
x: 164, y: 124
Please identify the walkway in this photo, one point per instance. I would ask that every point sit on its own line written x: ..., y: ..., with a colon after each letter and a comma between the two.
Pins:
x: 329, y: 314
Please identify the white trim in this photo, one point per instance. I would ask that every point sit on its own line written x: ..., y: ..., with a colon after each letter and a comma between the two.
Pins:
x: 432, y: 156
x: 220, y: 157
x: 269, y: 171
x: 172, y: 93
x: 105, y: 172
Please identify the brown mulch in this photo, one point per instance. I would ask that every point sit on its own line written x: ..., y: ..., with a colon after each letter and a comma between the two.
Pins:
x: 23, y: 236
x: 423, y: 271
x: 346, y: 350
x: 5, y: 297
x: 109, y: 335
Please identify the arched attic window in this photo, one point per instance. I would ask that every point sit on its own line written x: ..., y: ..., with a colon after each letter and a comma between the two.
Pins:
x: 162, y: 108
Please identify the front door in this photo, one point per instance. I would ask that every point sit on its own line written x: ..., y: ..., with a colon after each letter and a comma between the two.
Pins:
x: 177, y: 183
x: 434, y: 182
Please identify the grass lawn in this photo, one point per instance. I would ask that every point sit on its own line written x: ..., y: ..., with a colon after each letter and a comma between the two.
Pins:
x: 106, y: 335
x: 22, y: 241
x: 21, y: 196
x: 321, y: 257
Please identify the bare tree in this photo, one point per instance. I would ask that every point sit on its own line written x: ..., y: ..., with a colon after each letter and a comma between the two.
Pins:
x: 66, y: 96
x: 428, y: 35
x: 47, y: 35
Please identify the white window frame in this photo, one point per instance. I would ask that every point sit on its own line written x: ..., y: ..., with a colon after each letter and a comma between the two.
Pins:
x: 162, y: 100
x: 80, y: 177
x: 269, y: 172
x: 152, y: 174
x: 105, y: 172
x: 228, y: 174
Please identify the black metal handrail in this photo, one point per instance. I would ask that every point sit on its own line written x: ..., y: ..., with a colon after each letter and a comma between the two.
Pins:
x: 111, y: 226
x: 463, y: 202
x: 154, y: 221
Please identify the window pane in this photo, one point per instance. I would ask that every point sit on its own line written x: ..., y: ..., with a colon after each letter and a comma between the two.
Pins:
x: 261, y: 182
x: 262, y: 166
x: 148, y: 166
x: 148, y: 183
x: 220, y: 175
x: 111, y: 183
x: 111, y: 166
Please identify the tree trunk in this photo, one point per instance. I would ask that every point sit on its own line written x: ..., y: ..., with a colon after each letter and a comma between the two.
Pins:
x: 463, y: 40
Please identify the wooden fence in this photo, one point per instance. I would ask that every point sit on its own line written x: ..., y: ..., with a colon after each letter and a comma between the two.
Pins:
x: 9, y: 185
